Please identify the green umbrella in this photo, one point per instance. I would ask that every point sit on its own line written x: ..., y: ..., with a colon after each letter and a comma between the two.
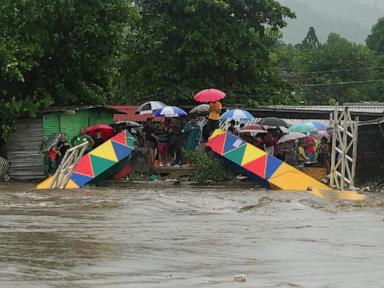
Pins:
x: 303, y: 128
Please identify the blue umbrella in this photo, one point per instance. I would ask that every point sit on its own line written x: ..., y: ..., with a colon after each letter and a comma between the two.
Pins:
x: 319, y: 126
x: 170, y: 111
x: 237, y: 114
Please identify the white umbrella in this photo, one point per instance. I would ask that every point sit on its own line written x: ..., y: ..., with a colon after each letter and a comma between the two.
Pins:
x: 291, y: 136
x: 200, y: 109
x: 150, y: 107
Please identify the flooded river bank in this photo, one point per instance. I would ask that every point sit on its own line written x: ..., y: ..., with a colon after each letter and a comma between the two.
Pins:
x: 187, y: 238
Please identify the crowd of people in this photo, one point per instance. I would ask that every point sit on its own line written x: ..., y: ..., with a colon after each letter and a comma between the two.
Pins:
x: 313, y: 149
x: 170, y: 140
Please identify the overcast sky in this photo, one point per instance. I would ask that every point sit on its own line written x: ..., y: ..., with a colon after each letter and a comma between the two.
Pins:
x: 352, y: 19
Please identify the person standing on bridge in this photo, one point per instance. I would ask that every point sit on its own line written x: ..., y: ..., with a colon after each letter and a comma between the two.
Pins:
x: 82, y: 138
x: 214, y: 116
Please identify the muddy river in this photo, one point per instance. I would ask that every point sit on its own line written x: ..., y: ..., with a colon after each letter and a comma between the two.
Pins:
x: 187, y: 238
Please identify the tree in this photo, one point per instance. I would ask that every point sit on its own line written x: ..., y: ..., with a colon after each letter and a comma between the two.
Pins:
x: 55, y: 52
x: 375, y: 40
x: 311, y: 41
x: 337, y: 71
x: 184, y: 46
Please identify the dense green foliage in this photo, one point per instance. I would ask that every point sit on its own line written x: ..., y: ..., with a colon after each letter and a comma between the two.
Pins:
x: 56, y: 52
x: 336, y: 71
x: 375, y: 40
x: 70, y: 52
x: 183, y: 46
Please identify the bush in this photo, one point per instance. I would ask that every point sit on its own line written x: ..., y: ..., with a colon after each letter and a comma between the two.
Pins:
x: 208, y: 168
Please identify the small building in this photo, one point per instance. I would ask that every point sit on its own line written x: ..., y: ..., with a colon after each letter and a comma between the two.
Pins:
x: 23, y: 147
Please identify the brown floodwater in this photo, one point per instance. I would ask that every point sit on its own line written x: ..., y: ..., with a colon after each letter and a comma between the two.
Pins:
x: 99, y: 237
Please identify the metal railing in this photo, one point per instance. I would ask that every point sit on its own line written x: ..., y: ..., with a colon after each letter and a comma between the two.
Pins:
x: 64, y: 172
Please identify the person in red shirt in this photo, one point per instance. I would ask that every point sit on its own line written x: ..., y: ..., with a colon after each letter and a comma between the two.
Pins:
x: 310, y: 147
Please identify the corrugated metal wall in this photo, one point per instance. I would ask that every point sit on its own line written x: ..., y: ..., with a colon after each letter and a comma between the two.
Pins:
x: 71, y: 123
x: 370, y: 156
x: 23, y: 148
x: 23, y: 145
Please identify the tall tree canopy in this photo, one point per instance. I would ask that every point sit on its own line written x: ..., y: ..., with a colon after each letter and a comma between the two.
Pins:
x: 375, y: 40
x: 185, y: 45
x: 337, y: 71
x: 59, y: 52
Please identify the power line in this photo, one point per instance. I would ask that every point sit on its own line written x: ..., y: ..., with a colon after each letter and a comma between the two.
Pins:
x: 338, y: 70
x: 343, y: 83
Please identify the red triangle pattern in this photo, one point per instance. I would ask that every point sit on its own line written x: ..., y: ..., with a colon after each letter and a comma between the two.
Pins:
x: 84, y: 166
x: 120, y: 138
x: 217, y: 143
x: 257, y: 166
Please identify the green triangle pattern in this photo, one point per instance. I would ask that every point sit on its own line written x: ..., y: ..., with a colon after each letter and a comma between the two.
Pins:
x: 236, y: 155
x: 100, y: 165
x: 130, y: 141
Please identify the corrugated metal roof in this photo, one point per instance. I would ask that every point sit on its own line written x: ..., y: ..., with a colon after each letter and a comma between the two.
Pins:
x: 72, y: 109
x: 128, y: 113
x: 353, y: 108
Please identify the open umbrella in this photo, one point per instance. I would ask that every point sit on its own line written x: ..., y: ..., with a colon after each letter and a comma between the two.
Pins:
x: 106, y: 131
x: 319, y: 126
x: 127, y: 124
x: 303, y: 128
x: 291, y: 136
x: 209, y: 95
x: 252, y: 128
x: 237, y: 114
x: 170, y: 111
x: 150, y: 107
x: 201, y: 109
x: 273, y: 122
x: 49, y: 142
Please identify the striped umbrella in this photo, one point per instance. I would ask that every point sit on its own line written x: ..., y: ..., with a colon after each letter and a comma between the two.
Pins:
x: 150, y: 107
x: 319, y: 126
x: 237, y: 114
x: 170, y: 111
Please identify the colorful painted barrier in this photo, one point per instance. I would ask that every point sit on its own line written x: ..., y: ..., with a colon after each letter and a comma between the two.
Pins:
x: 279, y: 174
x: 98, y: 161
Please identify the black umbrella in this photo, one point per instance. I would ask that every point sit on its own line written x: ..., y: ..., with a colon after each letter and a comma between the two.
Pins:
x: 273, y: 122
x: 127, y: 124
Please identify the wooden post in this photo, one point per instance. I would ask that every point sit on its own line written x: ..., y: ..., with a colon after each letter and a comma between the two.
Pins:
x: 334, y: 118
x: 354, y: 152
x: 344, y: 143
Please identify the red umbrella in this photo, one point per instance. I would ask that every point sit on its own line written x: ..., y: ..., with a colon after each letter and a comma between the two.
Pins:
x: 106, y: 131
x: 209, y: 95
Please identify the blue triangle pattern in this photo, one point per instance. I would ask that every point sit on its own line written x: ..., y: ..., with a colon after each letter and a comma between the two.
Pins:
x: 272, y: 165
x: 121, y: 151
x: 232, y: 142
x: 80, y: 180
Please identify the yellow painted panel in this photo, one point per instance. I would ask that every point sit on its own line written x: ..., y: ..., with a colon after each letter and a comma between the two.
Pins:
x: 288, y: 178
x: 71, y: 185
x: 45, y: 184
x: 105, y: 151
x: 252, y: 153
x: 217, y: 132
